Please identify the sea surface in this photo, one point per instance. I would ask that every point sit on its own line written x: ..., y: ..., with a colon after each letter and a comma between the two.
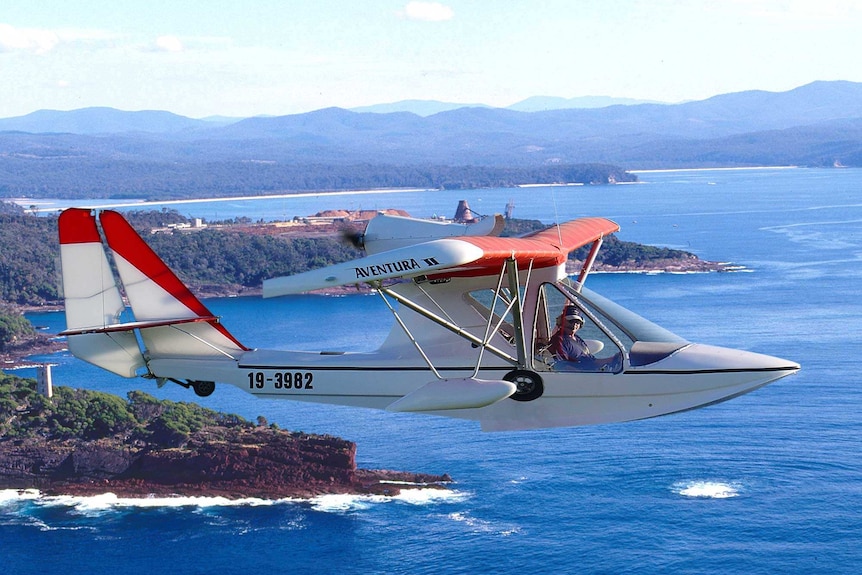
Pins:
x: 770, y: 482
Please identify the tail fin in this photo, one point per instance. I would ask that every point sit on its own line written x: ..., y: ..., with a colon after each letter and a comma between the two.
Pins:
x: 93, y: 302
x: 171, y: 320
x: 176, y: 323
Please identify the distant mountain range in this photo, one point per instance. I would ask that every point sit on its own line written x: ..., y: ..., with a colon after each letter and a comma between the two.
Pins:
x: 819, y: 124
x: 533, y: 104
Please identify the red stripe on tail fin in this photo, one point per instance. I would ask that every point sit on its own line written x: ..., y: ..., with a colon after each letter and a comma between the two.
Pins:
x: 78, y: 226
x: 126, y: 243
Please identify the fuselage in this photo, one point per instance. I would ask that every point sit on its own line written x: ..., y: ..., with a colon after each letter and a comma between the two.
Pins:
x: 648, y: 371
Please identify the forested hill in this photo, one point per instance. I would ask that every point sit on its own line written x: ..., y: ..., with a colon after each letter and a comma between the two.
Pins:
x: 64, y: 166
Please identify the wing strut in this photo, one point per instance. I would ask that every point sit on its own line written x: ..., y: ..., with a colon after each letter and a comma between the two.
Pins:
x: 588, y: 263
x: 509, y: 271
x: 409, y: 335
x: 454, y: 328
x: 517, y: 312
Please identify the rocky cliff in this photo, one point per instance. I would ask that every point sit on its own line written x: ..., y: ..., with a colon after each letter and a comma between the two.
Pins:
x: 82, y: 442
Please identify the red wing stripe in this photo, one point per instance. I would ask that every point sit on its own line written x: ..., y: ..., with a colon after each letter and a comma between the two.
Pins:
x: 78, y: 226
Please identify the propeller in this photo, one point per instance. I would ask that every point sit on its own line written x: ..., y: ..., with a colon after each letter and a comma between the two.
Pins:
x: 353, y: 237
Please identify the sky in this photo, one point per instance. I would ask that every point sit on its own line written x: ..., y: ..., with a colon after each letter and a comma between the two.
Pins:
x: 278, y: 57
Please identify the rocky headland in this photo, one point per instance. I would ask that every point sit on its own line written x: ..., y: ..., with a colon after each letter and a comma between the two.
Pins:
x: 83, y: 442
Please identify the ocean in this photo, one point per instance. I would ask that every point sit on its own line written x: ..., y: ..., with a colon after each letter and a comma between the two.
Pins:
x: 770, y: 482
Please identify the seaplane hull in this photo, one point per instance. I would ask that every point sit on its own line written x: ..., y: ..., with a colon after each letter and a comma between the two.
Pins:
x: 569, y: 399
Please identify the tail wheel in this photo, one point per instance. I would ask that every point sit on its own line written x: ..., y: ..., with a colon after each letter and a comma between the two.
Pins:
x: 203, y: 388
x: 528, y: 383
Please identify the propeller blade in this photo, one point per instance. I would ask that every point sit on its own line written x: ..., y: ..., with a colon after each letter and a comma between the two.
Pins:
x: 353, y: 237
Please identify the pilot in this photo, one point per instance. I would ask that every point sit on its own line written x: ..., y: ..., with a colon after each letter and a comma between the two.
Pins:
x: 566, y: 344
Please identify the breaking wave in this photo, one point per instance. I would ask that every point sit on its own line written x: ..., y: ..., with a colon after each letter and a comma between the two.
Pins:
x: 345, y: 503
x: 706, y: 489
x: 106, y: 502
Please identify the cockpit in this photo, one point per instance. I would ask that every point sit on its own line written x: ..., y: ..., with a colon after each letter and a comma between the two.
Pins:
x: 611, y: 332
x: 611, y: 336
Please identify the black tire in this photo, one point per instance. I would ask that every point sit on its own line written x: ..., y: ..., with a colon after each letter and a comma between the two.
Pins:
x: 529, y: 384
x: 203, y: 388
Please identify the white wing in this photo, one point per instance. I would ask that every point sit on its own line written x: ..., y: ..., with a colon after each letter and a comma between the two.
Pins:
x: 407, y: 261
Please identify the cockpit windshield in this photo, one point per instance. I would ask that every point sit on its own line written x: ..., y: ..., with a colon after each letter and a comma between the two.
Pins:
x: 634, y: 326
x: 583, y: 331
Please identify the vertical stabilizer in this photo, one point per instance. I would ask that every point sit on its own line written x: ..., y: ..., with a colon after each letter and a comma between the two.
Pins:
x: 92, y: 298
x: 156, y: 294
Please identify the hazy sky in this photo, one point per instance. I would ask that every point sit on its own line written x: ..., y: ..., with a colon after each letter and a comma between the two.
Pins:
x: 214, y: 57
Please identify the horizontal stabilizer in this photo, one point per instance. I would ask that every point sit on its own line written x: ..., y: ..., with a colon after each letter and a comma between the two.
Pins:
x: 408, y: 261
x: 133, y: 325
x: 464, y: 393
x: 116, y: 352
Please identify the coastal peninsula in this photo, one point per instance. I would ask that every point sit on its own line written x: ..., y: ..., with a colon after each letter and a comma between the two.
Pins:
x: 82, y: 442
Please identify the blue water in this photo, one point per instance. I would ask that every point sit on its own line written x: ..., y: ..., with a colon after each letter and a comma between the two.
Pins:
x: 770, y: 482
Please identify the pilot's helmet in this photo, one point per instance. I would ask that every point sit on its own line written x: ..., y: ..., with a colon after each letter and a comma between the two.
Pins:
x: 571, y: 313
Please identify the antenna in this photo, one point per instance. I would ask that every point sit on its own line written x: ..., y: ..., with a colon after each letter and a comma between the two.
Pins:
x: 556, y: 215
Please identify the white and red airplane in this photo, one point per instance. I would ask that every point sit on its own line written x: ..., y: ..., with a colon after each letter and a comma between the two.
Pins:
x: 474, y: 315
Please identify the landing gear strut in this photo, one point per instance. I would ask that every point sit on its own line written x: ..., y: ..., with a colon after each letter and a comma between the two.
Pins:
x: 201, y: 388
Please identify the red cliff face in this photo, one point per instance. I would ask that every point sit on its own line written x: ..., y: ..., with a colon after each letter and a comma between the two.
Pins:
x: 231, y: 462
x: 83, y: 442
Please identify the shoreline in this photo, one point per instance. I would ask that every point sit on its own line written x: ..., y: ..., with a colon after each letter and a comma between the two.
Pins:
x: 729, y: 169
x: 111, y: 500
x: 26, y: 202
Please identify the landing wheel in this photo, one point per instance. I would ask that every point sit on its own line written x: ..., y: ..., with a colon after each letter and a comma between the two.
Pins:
x: 529, y: 384
x: 203, y: 388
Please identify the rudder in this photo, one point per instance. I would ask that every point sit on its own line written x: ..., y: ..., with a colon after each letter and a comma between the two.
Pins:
x: 179, y: 324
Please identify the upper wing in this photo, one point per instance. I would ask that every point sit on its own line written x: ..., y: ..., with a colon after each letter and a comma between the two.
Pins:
x: 450, y: 257
x: 549, y: 247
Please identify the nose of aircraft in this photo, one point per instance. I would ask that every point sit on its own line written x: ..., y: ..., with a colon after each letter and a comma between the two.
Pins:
x: 707, y: 358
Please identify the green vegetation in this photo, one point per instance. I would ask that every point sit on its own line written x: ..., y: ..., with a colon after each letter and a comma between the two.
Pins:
x: 28, y: 259
x: 616, y: 252
x: 13, y: 327
x: 92, y: 415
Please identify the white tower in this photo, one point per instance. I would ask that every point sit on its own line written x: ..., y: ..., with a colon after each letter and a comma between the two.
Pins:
x: 43, y: 380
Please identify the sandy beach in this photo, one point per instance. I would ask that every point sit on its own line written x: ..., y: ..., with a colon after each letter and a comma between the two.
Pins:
x: 53, y: 205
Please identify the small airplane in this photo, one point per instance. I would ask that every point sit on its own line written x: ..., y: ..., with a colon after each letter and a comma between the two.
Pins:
x: 474, y: 318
